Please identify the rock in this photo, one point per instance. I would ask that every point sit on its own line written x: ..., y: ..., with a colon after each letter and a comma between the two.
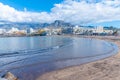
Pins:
x: 3, y: 79
x: 9, y: 76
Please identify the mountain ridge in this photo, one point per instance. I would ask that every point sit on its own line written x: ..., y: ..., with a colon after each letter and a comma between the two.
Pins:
x: 56, y: 23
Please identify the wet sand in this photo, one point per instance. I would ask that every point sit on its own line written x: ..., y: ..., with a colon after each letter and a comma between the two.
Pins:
x: 106, y: 69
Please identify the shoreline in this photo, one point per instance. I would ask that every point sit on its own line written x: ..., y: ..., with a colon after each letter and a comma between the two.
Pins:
x: 105, y: 69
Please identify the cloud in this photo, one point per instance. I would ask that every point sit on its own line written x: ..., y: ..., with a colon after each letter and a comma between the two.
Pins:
x: 74, y: 11
x: 82, y: 12
x: 8, y: 13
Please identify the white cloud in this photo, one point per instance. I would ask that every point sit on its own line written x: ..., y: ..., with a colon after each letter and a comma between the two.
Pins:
x: 82, y: 12
x: 10, y: 14
x: 74, y: 11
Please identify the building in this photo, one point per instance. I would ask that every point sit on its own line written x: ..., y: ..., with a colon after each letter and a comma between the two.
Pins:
x: 16, y: 31
x: 98, y: 30
x: 30, y: 31
x: 109, y: 32
x: 67, y: 30
x: 91, y: 30
x: 53, y: 31
x: 48, y: 31
x: 82, y: 30
x: 2, y: 31
x: 56, y: 31
x: 12, y: 30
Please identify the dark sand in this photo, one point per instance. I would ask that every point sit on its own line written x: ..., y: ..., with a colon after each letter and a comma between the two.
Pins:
x: 106, y: 69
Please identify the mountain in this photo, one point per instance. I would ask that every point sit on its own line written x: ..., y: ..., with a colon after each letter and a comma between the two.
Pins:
x: 57, y: 23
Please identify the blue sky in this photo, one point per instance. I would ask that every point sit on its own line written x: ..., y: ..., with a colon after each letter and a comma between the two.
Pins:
x: 32, y: 5
x: 79, y: 12
x: 108, y: 24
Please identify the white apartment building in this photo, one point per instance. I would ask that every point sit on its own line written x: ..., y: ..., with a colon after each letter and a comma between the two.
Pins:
x: 108, y: 31
x: 2, y: 31
x: 82, y: 30
x: 56, y: 31
x: 88, y: 30
x: 32, y: 30
x: 53, y: 31
x: 13, y: 30
x: 16, y: 31
x: 98, y: 29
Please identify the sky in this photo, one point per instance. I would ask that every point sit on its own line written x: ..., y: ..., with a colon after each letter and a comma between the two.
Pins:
x: 31, y: 5
x: 78, y: 12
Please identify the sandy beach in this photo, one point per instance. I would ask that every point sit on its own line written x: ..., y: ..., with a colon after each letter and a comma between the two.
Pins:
x: 106, y: 69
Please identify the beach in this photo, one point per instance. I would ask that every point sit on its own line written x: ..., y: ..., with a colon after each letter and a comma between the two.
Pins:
x: 105, y: 69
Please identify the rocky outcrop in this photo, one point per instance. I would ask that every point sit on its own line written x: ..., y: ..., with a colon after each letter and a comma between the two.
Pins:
x: 60, y: 23
x: 9, y: 76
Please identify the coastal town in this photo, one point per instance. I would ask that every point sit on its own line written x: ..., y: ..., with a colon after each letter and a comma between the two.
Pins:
x: 60, y: 30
